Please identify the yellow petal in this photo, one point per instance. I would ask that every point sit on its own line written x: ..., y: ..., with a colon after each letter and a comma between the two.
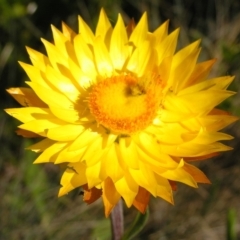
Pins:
x: 83, y: 79
x: 193, y: 150
x: 215, y: 83
x: 164, y: 189
x: 69, y: 115
x: 139, y: 33
x: 140, y: 59
x: 42, y: 145
x: 104, y: 27
x: 50, y: 154
x: 118, y: 46
x: 112, y: 165
x: 201, y: 71
x: 217, y: 120
x: 65, y: 132
x: 59, y: 40
x: 40, y: 126
x: 29, y: 114
x: 93, y: 175
x: 127, y: 188
x: 180, y: 175
x: 62, y: 84
x: 197, y: 102
x: 103, y: 60
x: 145, y: 178
x: 85, y: 138
x: 55, y: 56
x: 128, y: 152
x: 161, y: 32
x: 205, y: 137
x: 84, y: 56
x: 73, y: 177
x: 34, y: 74
x: 38, y: 60
x: 151, y: 151
x: 69, y: 156
x: 51, y: 97
x: 182, y: 66
x: 168, y: 46
x: 94, y: 152
x: 85, y: 31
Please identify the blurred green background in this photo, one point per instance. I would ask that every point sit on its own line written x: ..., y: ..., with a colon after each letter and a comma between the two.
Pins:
x: 29, y: 207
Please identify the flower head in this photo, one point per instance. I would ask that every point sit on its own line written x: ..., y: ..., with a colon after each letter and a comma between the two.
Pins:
x: 122, y: 110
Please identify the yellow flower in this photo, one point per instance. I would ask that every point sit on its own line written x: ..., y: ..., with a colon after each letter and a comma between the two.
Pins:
x: 122, y: 110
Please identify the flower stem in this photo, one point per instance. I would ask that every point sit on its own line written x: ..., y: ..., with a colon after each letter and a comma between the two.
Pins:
x: 117, y: 221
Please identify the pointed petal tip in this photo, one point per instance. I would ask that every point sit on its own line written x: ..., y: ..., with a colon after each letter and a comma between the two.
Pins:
x: 102, y: 11
x: 61, y: 192
x: 52, y: 27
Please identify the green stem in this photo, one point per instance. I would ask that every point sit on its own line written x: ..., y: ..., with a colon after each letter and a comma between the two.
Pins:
x: 117, y: 221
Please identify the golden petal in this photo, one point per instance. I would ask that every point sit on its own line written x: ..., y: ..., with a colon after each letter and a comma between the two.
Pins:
x: 26, y: 134
x: 183, y: 64
x: 26, y: 97
x: 68, y: 32
x: 180, y: 175
x: 91, y: 195
x: 201, y: 71
x: 141, y: 200
x: 110, y: 195
x: 197, y: 174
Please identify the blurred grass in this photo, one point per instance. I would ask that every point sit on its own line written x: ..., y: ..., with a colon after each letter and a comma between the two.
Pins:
x: 29, y: 207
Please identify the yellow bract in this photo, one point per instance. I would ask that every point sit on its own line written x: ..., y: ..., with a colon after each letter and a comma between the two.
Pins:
x: 122, y: 110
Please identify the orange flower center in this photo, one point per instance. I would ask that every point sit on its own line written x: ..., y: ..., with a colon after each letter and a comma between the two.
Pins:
x: 125, y: 104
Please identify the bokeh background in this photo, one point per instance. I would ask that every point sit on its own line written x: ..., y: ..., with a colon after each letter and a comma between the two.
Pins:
x: 29, y: 207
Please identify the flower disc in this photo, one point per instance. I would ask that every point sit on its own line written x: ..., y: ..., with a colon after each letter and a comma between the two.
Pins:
x: 124, y: 106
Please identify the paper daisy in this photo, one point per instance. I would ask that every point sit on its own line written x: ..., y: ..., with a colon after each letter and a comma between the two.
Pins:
x: 122, y: 111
